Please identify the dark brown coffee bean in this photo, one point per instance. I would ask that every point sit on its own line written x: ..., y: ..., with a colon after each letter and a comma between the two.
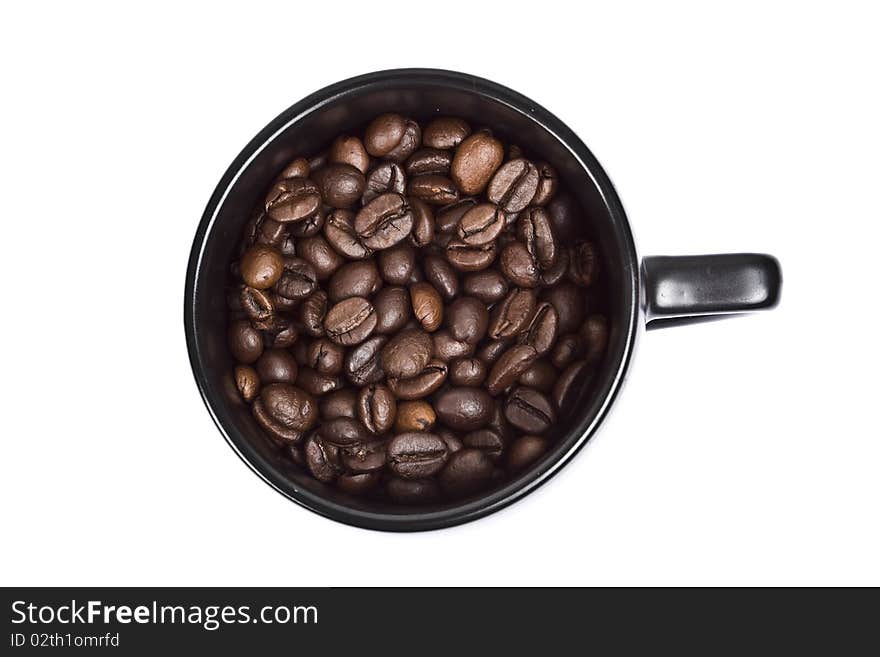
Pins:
x: 322, y: 460
x: 517, y: 264
x: 481, y: 224
x: 433, y: 189
x: 356, y: 279
x: 566, y: 218
x: 384, y: 222
x: 416, y: 455
x: 344, y: 432
x: 512, y: 315
x: 358, y: 484
x: 340, y: 234
x: 535, y: 231
x: 445, y: 133
x: 426, y: 161
x: 384, y: 178
x: 467, y: 372
x: 325, y: 356
x: 341, y: 185
x: 319, y: 255
x: 448, y: 218
x: 491, y: 351
x: 309, y: 226
x: 350, y: 150
x: 363, y: 364
x: 293, y: 199
x: 377, y: 408
x: 247, y: 381
x: 351, y: 321
x: 548, y: 182
x: 441, y: 275
x: 280, y: 333
x: 556, y: 272
x: 298, y: 279
x: 277, y: 432
x: 406, y: 354
x: 257, y: 305
x: 509, y: 367
x: 488, y: 286
x: 415, y: 415
x: 453, y: 443
x: 524, y: 451
x: 568, y: 348
x: 427, y: 305
x: 261, y: 266
x: 409, y: 143
x: 583, y: 264
x: 425, y: 383
x: 423, y: 222
x: 393, y: 309
x: 529, y: 411
x: 289, y: 406
x: 465, y: 257
x: 277, y: 366
x: 312, y: 313
x: 412, y: 491
x: 572, y: 382
x: 514, y: 185
x: 339, y: 403
x: 540, y: 375
x: 594, y: 334
x: 318, y: 160
x: 296, y: 168
x: 464, y: 409
x: 447, y: 348
x: 397, y: 264
x: 542, y: 330
x: 467, y: 319
x: 476, y: 160
x: 363, y: 458
x: 488, y: 441
x: 317, y: 384
x: 570, y: 303
x: 261, y: 229
x: 245, y: 342
x: 384, y: 134
x: 467, y: 471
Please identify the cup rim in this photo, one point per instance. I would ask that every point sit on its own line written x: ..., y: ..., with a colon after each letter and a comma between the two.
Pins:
x: 412, y: 519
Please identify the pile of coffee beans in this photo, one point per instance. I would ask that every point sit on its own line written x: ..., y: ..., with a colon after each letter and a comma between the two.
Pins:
x: 415, y: 310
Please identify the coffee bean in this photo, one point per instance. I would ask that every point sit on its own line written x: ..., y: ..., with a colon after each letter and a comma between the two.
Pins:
x: 427, y: 305
x: 514, y: 185
x: 467, y: 257
x: 277, y: 366
x: 339, y: 403
x: 481, y: 224
x: 570, y: 303
x: 524, y: 451
x: 416, y: 455
x: 513, y: 314
x: 445, y: 133
x: 344, y: 432
x: 509, y: 367
x: 318, y: 160
x: 412, y: 491
x: 548, y: 182
x: 261, y: 229
x: 247, y: 381
x: 341, y: 185
x: 261, y: 266
x: 340, y: 234
x: 293, y: 199
x: 449, y: 217
x: 453, y: 443
x: 416, y: 415
x: 319, y: 255
x: 349, y: 150
x: 467, y: 372
x: 322, y: 460
x: 317, y: 384
x: 529, y: 411
x: 363, y: 458
x: 423, y: 222
x: 245, y: 342
x: 382, y: 179
x: 594, y: 334
x: 298, y: 279
x: 568, y: 347
x: 425, y: 383
x: 377, y: 408
x: 406, y: 354
x: 427, y: 161
x: 296, y: 168
x: 467, y: 319
x: 535, y: 231
x: 518, y: 265
x: 488, y: 286
x: 289, y: 406
x: 393, y: 137
x: 312, y: 313
x: 464, y: 409
x: 487, y: 441
x: 397, y: 263
x: 351, y: 321
x: 434, y: 189
x: 446, y: 348
x: 476, y: 159
x: 280, y: 333
x: 491, y: 351
x: 441, y: 275
x: 573, y: 380
x: 467, y: 471
x: 356, y: 279
x: 384, y: 222
x: 393, y: 309
x: 257, y: 305
x: 363, y: 364
x: 277, y: 432
x: 325, y: 356
x: 566, y: 218
x: 583, y: 264
x: 541, y: 375
x: 542, y: 331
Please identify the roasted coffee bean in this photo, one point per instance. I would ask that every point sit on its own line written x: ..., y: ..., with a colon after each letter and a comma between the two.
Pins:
x: 257, y: 305
x: 377, y: 408
x: 453, y: 442
x: 261, y: 229
x: 481, y: 224
x: 583, y: 264
x: 382, y: 179
x: 288, y: 246
x: 245, y: 342
x: 518, y: 265
x: 293, y: 199
x: 247, y: 381
x: 325, y: 356
x: 434, y: 189
x: 491, y: 351
x: 568, y: 348
x: 541, y: 375
x: 441, y: 275
x: 296, y: 168
x: 358, y: 484
x: 351, y: 321
x: 344, y: 432
x: 412, y: 491
x: 529, y: 411
x: 393, y: 137
x: 423, y: 223
x: 542, y: 330
x: 322, y: 460
x: 277, y: 366
x: 467, y: 319
x: 309, y: 226
x: 425, y: 383
x: 488, y: 286
x: 363, y: 458
x: 298, y: 279
x: 289, y: 406
x: 466, y: 257
x: 417, y: 415
x: 467, y: 372
x: 312, y: 313
x: 445, y: 133
x: 341, y: 185
x: 488, y: 441
x: 446, y: 348
x: 524, y: 451
x: 512, y: 315
x: 427, y: 305
x: 573, y: 380
x: 317, y: 384
x: 566, y: 218
x: 535, y: 231
x: 397, y: 264
x: 509, y: 367
x: 514, y: 185
x: 464, y: 409
x: 416, y: 455
x: 548, y: 181
x: 318, y: 160
x: 261, y: 266
x: 339, y: 403
x: 340, y: 234
x: 476, y: 160
x: 570, y: 303
x: 552, y: 275
x: 594, y: 335
x: 277, y: 432
x: 393, y: 309
x: 406, y: 354
x: 467, y: 471
x: 319, y: 255
x: 281, y: 305
x: 427, y: 161
x: 363, y: 364
x: 280, y: 333
x: 448, y: 218
x: 384, y: 222
x: 356, y: 279
x: 350, y: 150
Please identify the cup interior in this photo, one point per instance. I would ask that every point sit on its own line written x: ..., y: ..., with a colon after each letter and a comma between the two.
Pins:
x: 304, y: 130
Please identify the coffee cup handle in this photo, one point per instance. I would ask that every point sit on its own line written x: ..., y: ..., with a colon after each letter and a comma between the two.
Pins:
x: 689, y: 289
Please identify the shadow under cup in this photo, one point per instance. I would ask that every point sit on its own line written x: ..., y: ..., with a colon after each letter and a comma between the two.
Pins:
x: 307, y: 128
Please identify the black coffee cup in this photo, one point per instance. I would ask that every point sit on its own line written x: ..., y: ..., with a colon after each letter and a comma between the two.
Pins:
x: 654, y: 291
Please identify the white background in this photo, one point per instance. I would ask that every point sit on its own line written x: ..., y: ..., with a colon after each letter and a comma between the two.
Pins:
x: 741, y: 452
